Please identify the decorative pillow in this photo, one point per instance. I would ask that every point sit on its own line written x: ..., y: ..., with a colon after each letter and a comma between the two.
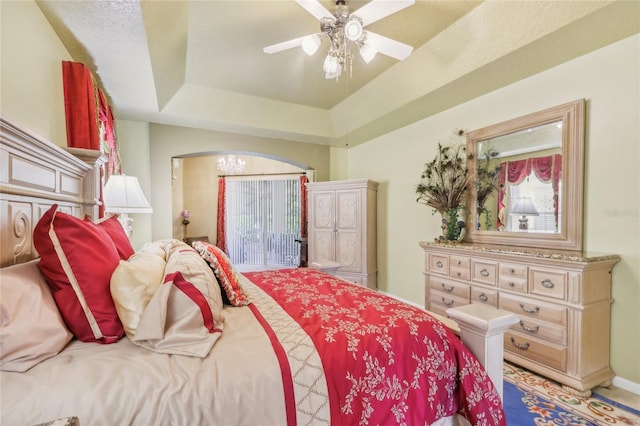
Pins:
x: 134, y: 282
x: 224, y: 271
x: 118, y: 235
x: 77, y: 259
x: 184, y: 316
x: 32, y: 329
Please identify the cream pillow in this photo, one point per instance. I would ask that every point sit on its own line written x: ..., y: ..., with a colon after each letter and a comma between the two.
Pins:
x: 31, y: 327
x: 134, y: 283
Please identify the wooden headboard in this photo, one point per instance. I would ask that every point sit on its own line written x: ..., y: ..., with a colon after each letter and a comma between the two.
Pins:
x: 34, y: 175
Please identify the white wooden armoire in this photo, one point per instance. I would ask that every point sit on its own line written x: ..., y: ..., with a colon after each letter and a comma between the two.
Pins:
x: 342, y: 228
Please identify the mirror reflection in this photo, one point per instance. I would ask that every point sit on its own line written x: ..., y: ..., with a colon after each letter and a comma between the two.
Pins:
x: 519, y: 181
x: 527, y: 179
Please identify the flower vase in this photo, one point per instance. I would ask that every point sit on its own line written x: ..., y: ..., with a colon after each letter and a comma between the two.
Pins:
x: 452, y: 224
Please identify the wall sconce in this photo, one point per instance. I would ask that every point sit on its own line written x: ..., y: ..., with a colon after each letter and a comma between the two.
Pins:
x: 123, y: 195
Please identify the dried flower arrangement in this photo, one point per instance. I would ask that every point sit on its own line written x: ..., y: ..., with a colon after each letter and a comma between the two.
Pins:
x: 442, y: 187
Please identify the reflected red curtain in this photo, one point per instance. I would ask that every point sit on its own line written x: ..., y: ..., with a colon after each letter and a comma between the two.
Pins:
x: 510, y: 172
x: 546, y: 169
x: 221, y: 237
x: 303, y: 206
x: 80, y: 106
x: 549, y: 169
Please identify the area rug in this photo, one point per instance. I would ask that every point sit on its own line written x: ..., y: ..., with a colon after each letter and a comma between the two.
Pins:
x: 532, y: 400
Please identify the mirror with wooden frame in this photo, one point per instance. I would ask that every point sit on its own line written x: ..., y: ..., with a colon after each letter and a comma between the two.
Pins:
x: 527, y: 177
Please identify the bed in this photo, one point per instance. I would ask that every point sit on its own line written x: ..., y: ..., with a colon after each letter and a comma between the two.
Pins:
x: 177, y: 336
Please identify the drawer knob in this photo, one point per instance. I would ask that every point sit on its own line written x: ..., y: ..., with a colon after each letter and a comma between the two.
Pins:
x: 512, y: 284
x: 458, y: 273
x: 513, y: 271
x: 483, y: 297
x: 524, y: 346
x: 528, y: 328
x: 448, y: 303
x: 484, y: 272
x: 459, y: 262
x: 547, y: 283
x: 439, y: 264
x: 529, y: 310
x: 447, y: 288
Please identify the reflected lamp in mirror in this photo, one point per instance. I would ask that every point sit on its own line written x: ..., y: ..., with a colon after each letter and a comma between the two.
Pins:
x: 525, y: 207
x: 123, y: 195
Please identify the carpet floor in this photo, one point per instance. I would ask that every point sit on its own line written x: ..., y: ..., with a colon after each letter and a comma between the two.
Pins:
x: 533, y: 400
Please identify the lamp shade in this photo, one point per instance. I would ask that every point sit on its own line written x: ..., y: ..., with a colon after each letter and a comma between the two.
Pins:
x: 123, y: 194
x: 525, y: 206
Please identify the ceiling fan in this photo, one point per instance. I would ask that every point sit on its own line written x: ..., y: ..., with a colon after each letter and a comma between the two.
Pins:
x: 344, y: 29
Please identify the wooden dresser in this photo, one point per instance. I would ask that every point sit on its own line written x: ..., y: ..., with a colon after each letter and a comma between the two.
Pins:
x: 563, y: 301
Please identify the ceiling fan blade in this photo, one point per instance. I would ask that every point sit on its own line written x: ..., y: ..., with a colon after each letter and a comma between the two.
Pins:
x: 378, y: 9
x: 285, y: 45
x: 388, y: 47
x: 316, y: 9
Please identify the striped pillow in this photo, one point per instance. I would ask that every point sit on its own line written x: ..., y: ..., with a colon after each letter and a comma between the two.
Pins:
x: 77, y: 259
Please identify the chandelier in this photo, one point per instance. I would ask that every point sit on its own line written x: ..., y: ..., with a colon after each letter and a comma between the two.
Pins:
x: 345, y: 32
x: 231, y: 165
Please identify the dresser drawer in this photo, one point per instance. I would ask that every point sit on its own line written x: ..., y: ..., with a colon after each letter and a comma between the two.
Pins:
x: 554, y: 356
x: 544, y: 330
x: 460, y: 267
x: 549, y: 283
x: 533, y: 309
x: 489, y: 297
x: 513, y: 276
x: 439, y: 264
x: 439, y: 302
x: 484, y: 272
x: 449, y: 287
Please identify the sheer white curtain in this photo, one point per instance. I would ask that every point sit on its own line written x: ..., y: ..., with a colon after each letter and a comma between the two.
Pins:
x: 263, y: 220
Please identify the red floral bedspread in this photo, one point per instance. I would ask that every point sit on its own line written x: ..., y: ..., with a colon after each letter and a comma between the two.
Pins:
x: 385, y: 362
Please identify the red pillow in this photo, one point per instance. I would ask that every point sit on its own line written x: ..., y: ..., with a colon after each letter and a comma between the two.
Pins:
x: 77, y: 259
x: 118, y: 235
x: 224, y: 272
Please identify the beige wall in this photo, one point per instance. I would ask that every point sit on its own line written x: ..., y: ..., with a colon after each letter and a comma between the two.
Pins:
x: 608, y: 80
x: 133, y: 140
x: 31, y: 95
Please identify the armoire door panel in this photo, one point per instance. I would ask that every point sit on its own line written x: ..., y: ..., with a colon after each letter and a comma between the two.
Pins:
x: 323, y: 246
x: 348, y: 251
x: 348, y: 210
x: 324, y: 210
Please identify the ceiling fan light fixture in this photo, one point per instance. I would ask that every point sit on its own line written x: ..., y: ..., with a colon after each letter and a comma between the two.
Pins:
x: 345, y: 32
x: 353, y: 29
x: 311, y: 43
x: 331, y: 65
x: 367, y: 53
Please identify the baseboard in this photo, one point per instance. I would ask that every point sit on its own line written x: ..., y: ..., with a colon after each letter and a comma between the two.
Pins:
x: 618, y: 382
x: 408, y: 302
x: 627, y: 385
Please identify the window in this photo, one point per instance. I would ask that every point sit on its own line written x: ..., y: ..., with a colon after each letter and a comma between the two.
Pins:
x: 263, y: 221
x: 541, y: 194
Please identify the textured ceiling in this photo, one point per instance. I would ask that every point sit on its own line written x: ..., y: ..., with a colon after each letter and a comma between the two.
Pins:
x: 201, y: 64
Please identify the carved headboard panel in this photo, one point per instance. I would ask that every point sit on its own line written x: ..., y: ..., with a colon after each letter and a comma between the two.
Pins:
x: 35, y: 174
